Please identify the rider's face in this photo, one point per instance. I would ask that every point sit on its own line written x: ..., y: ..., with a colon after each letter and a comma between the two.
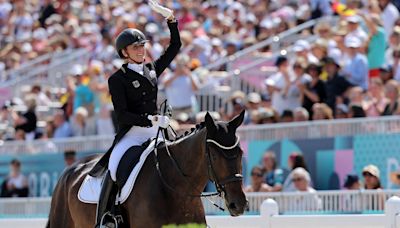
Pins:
x: 137, y: 52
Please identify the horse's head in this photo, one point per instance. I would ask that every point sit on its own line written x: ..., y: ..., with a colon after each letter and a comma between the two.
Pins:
x: 225, y: 161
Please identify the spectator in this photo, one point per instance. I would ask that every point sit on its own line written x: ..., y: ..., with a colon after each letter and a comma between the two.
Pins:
x: 83, y: 95
x: 217, y: 51
x: 237, y: 102
x: 301, y: 179
x: 295, y: 160
x: 302, y: 183
x: 62, y: 126
x: 104, y: 124
x: 376, y: 103
x: 352, y: 182
x: 98, y: 85
x: 351, y: 202
x: 20, y: 135
x: 356, y: 111
x: 392, y: 93
x: 393, y: 43
x: 41, y: 97
x: 20, y: 22
x: 371, y: 177
x: 278, y: 86
x: 389, y: 14
x: 320, y: 49
x: 355, y: 69
x: 356, y: 96
x: 396, y: 64
x: 257, y: 182
x: 46, y: 11
x: 265, y: 100
x: 320, y: 8
x: 180, y: 87
x: 273, y: 174
x: 49, y: 129
x: 302, y: 49
x: 336, y: 85
x: 302, y: 79
x: 265, y: 116
x: 386, y: 73
x: 321, y: 111
x: 27, y: 121
x: 81, y: 125
x: 342, y: 111
x: 69, y: 157
x: 16, y: 184
x: 313, y: 91
x: 376, y: 43
x: 287, y: 116
x: 355, y: 30
x: 253, y: 101
x: 323, y: 30
x: 300, y: 114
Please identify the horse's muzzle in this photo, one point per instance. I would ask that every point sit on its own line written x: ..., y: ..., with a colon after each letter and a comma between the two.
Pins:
x: 237, y: 207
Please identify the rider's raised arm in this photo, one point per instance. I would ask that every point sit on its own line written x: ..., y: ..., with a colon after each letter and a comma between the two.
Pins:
x: 175, y: 42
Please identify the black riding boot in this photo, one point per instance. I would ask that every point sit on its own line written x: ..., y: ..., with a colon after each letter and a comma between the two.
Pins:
x: 106, y: 200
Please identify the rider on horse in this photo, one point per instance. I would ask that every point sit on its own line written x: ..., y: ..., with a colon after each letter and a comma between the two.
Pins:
x: 133, y: 89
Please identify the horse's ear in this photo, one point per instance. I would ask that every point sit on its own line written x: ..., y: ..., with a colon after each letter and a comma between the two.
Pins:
x: 237, y: 121
x: 210, y: 124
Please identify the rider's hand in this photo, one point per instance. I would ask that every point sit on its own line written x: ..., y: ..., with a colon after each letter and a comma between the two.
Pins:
x: 159, y: 121
x: 167, y: 13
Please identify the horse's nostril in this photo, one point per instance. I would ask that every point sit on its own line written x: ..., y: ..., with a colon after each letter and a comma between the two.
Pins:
x: 232, y: 206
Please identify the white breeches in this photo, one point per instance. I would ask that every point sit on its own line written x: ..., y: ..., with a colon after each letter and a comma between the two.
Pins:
x: 135, y: 136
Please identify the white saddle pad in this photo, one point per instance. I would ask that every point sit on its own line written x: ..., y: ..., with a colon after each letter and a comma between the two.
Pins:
x: 89, y: 192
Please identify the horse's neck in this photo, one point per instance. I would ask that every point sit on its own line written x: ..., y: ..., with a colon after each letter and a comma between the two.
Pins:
x: 190, y: 155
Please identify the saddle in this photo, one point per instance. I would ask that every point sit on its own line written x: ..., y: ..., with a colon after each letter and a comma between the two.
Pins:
x: 127, y: 172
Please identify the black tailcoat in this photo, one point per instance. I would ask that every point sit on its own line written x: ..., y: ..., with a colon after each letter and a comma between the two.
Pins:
x: 134, y: 96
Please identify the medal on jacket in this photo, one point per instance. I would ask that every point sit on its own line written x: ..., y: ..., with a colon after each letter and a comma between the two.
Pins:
x: 136, y: 84
x: 153, y: 74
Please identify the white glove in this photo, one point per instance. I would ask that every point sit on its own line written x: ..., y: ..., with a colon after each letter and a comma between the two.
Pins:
x: 159, y: 121
x: 167, y: 13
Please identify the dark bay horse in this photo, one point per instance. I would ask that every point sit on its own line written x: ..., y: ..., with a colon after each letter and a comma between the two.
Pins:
x: 209, y: 152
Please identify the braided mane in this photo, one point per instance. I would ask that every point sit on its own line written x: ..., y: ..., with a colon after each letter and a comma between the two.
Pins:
x: 195, y: 129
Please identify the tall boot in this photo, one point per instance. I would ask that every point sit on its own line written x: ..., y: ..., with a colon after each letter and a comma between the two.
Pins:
x: 107, y: 198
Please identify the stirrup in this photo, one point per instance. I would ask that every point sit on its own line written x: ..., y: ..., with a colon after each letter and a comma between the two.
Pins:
x: 109, y: 224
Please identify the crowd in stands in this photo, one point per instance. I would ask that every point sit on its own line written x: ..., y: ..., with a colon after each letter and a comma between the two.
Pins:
x: 269, y: 177
x: 349, y: 71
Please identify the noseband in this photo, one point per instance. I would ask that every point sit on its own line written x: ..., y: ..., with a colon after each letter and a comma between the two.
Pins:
x: 220, y: 184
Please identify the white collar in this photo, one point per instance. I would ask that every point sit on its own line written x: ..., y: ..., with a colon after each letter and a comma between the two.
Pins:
x: 136, y: 67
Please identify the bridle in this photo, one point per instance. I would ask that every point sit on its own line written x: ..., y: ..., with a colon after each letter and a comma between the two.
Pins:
x: 219, y: 184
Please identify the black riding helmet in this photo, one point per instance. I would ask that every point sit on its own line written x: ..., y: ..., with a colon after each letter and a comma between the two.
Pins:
x: 127, y: 37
